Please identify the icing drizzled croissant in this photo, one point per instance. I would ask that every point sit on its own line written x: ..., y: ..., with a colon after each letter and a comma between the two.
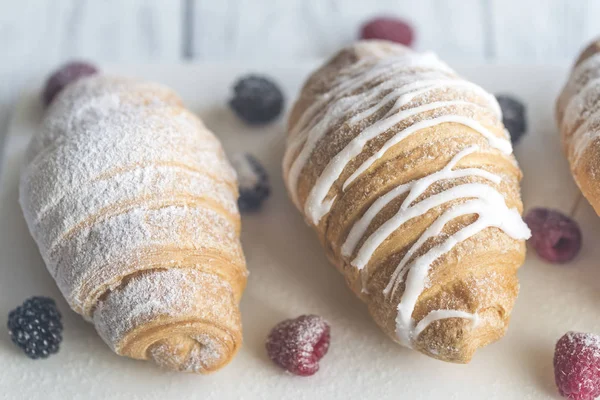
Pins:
x: 133, y: 206
x: 405, y: 172
x: 578, y: 119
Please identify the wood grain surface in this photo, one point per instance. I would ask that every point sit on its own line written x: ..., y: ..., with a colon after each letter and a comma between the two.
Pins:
x: 36, y: 35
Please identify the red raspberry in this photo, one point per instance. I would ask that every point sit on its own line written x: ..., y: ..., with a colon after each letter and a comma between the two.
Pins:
x: 392, y: 29
x: 298, y: 344
x: 554, y: 236
x: 66, y: 74
x: 577, y: 366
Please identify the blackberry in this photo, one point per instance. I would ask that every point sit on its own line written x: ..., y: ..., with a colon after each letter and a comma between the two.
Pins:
x: 513, y: 116
x: 36, y: 327
x: 253, y: 182
x: 257, y: 100
x: 66, y: 74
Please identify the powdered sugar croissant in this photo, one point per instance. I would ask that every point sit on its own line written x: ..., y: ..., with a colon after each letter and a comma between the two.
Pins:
x: 132, y: 203
x: 578, y: 118
x: 405, y: 172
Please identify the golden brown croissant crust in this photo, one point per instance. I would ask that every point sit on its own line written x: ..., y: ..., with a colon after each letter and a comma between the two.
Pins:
x: 406, y: 174
x: 132, y: 203
x: 578, y: 119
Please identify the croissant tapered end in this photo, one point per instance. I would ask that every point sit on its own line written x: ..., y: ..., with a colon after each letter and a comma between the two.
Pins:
x: 181, y: 319
x: 457, y: 339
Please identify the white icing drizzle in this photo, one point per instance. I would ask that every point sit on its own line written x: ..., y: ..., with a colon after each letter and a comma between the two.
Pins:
x: 405, y: 90
x: 480, y: 199
x: 585, y: 84
x: 314, y: 131
x: 436, y: 315
x: 584, y: 135
x: 415, y: 188
x: 491, y: 211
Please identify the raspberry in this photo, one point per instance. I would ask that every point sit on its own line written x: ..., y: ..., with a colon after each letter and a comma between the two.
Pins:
x: 513, y: 116
x: 66, y: 74
x: 253, y: 182
x: 554, y: 236
x: 257, y: 100
x: 392, y: 29
x: 36, y: 327
x: 297, y: 345
x: 577, y: 366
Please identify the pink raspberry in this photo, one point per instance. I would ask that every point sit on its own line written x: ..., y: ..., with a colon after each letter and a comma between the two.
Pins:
x: 577, y: 366
x: 66, y: 74
x: 298, y: 344
x: 386, y: 28
x: 554, y: 236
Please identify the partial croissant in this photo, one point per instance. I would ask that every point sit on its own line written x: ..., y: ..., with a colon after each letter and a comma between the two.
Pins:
x: 578, y: 118
x: 405, y: 172
x: 132, y: 203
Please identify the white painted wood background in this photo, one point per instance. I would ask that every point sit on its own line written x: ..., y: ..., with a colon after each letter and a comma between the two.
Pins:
x: 36, y: 35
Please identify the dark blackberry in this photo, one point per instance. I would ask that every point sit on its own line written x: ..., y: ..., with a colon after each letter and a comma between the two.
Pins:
x: 257, y: 100
x: 36, y: 327
x: 513, y: 116
x: 66, y: 74
x: 253, y: 182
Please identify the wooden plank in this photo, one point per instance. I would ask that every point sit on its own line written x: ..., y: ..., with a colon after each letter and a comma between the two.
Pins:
x: 29, y: 44
x: 540, y: 31
x: 287, y: 30
x: 123, y: 31
x: 35, y: 36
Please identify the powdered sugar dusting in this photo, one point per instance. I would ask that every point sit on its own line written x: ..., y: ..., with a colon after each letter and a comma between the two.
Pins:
x: 204, y: 355
x: 167, y: 296
x: 581, y: 115
x: 132, y: 203
x: 162, y: 292
x: 577, y: 365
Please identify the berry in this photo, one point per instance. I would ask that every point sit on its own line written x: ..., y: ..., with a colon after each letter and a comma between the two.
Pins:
x: 513, y: 116
x: 577, y: 366
x: 253, y: 182
x: 257, y: 100
x: 36, y: 327
x: 392, y: 29
x: 554, y: 236
x: 297, y: 345
x: 66, y: 74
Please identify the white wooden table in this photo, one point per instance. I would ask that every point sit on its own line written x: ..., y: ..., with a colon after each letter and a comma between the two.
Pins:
x: 36, y: 35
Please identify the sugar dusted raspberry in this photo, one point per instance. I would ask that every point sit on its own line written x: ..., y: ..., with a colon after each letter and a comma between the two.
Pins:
x: 577, y: 366
x: 66, y: 74
x: 386, y: 28
x: 554, y: 236
x: 298, y: 344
